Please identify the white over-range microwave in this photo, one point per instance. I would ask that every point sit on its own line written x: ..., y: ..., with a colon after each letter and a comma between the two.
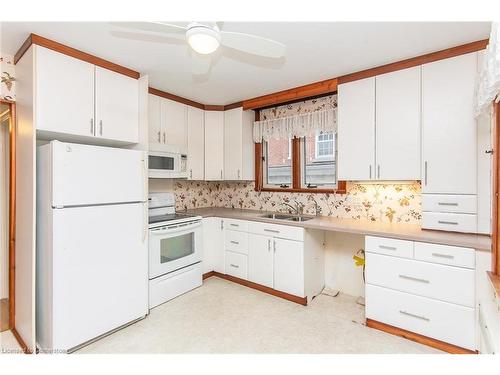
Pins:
x: 167, y: 164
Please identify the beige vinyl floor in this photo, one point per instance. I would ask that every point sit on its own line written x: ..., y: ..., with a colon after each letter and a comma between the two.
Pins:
x: 224, y: 317
x: 8, y: 343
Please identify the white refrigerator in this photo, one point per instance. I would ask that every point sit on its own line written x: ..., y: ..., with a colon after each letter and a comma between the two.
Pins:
x: 92, y: 250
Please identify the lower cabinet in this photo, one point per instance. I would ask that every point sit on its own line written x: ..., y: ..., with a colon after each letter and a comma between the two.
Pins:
x: 424, y: 288
x: 289, y: 266
x: 213, y: 244
x: 261, y: 259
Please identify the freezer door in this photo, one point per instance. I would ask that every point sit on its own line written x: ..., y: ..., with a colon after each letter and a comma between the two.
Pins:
x: 84, y: 175
x: 100, y: 271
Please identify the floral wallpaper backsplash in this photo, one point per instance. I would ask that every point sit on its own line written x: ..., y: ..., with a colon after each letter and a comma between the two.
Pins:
x: 387, y: 203
x: 7, y: 78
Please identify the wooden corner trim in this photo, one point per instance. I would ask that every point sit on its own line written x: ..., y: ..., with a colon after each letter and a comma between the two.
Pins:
x: 69, y: 51
x: 21, y: 342
x: 495, y: 283
x: 261, y: 288
x: 213, y: 107
x: 233, y: 106
x: 441, y: 345
x: 175, y: 98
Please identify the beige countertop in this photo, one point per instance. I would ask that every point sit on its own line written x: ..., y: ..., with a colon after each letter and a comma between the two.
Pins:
x: 363, y: 227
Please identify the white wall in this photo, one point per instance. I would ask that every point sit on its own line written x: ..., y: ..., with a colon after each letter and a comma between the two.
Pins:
x: 4, y: 209
x: 340, y: 271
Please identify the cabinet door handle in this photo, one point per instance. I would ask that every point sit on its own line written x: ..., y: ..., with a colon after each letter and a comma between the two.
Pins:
x: 234, y: 225
x: 238, y: 174
x: 370, y: 171
x: 234, y: 265
x: 414, y: 279
x: 221, y: 224
x: 378, y: 171
x: 447, y: 204
x: 425, y: 173
x: 447, y: 256
x: 164, y: 138
x: 235, y: 242
x: 274, y: 245
x: 100, y: 127
x: 221, y: 174
x: 387, y: 247
x: 190, y: 173
x: 447, y: 222
x: 421, y: 317
x: 159, y: 136
x: 92, y: 126
x: 269, y: 245
x: 271, y: 230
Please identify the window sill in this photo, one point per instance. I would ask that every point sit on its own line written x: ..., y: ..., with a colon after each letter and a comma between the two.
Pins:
x: 340, y: 189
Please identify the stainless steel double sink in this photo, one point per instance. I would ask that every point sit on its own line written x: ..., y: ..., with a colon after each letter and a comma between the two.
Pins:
x: 287, y: 217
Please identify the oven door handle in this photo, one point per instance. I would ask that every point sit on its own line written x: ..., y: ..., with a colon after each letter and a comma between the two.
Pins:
x: 176, y: 229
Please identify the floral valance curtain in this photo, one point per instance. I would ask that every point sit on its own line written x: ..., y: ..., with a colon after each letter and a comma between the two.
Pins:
x: 297, y: 120
x: 488, y: 88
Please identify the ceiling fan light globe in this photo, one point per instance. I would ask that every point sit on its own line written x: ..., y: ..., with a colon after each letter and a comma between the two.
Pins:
x: 203, y: 40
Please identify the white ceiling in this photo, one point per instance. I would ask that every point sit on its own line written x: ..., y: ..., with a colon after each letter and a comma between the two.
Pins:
x: 315, y: 51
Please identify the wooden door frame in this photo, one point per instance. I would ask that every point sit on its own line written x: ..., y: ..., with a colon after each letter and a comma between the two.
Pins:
x: 495, y: 258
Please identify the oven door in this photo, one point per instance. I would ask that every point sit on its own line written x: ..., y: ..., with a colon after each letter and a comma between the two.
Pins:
x: 174, y: 246
x: 163, y: 164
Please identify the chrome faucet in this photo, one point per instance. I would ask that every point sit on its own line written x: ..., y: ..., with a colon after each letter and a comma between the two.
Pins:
x: 298, y: 209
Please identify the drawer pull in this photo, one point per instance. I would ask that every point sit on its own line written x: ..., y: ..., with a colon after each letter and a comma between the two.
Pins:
x: 447, y: 204
x: 437, y: 255
x: 447, y: 222
x: 234, y: 225
x: 414, y: 279
x: 235, y: 242
x: 387, y: 247
x: 234, y: 265
x: 414, y: 316
x: 271, y: 230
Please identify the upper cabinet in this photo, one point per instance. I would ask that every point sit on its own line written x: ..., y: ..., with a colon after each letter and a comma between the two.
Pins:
x: 397, y: 113
x: 76, y: 100
x: 214, y: 145
x: 356, y: 130
x: 449, y: 126
x: 196, y: 143
x: 238, y: 145
x: 379, y: 127
x: 167, y: 124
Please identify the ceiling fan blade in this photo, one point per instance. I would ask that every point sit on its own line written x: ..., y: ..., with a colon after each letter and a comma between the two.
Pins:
x: 157, y: 27
x: 200, y: 64
x: 253, y: 44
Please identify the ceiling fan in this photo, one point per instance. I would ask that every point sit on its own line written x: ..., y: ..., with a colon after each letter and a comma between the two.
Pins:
x: 206, y: 38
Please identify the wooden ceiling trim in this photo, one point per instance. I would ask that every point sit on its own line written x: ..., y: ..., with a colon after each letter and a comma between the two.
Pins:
x: 69, y: 51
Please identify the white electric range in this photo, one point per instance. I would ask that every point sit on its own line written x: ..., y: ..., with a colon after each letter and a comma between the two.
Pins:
x: 175, y: 250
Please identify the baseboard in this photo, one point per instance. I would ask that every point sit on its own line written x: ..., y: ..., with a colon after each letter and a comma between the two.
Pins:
x: 441, y: 345
x: 261, y: 288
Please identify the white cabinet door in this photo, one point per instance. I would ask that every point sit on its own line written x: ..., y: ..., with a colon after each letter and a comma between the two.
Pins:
x: 213, y: 245
x: 218, y: 238
x: 248, y: 147
x: 260, y: 260
x: 116, y: 106
x: 233, y: 153
x: 64, y: 93
x: 196, y: 143
x: 356, y: 130
x: 154, y: 122
x: 448, y: 126
x: 174, y: 124
x: 214, y: 145
x: 289, y: 266
x: 398, y: 125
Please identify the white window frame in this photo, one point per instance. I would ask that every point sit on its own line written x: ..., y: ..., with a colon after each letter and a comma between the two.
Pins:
x: 316, y: 148
x: 265, y: 149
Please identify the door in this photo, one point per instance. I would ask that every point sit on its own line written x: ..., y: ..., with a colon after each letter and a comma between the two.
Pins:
x: 289, y: 266
x: 233, y: 153
x: 100, y: 270
x: 174, y: 124
x: 173, y: 247
x: 154, y: 122
x: 64, y: 90
x: 196, y: 144
x: 260, y: 260
x: 398, y: 125
x: 214, y: 145
x: 448, y: 126
x: 356, y: 130
x: 83, y: 174
x: 116, y: 106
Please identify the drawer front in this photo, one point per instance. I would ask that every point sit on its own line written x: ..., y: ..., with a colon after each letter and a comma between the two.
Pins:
x: 450, y: 284
x: 442, y: 254
x: 236, y: 241
x: 465, y: 204
x: 450, y: 222
x: 234, y: 224
x: 443, y: 321
x: 236, y: 265
x: 389, y: 246
x: 276, y: 230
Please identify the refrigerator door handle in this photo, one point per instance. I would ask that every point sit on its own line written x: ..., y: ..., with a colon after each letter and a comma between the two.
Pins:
x: 145, y: 176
